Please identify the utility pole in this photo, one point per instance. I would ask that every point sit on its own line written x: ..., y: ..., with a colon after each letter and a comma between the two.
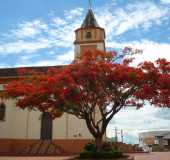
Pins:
x: 116, y: 138
x: 122, y: 135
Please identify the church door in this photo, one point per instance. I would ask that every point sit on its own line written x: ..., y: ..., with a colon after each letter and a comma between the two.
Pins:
x: 46, y: 126
x: 168, y: 142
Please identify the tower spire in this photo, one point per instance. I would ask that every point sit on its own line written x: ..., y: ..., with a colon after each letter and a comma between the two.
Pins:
x: 90, y: 35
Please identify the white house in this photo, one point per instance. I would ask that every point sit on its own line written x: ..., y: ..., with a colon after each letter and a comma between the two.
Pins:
x: 155, y: 137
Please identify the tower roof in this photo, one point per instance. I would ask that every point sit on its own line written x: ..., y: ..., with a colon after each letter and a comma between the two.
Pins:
x: 90, y: 20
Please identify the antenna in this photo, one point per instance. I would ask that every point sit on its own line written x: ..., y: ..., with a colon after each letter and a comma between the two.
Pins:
x: 90, y: 4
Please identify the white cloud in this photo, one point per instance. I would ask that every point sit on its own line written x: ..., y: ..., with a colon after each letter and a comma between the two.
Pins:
x: 151, y: 50
x: 34, y: 35
x: 134, y: 121
x: 24, y: 46
x: 74, y: 13
x: 29, y: 29
x: 3, y: 65
x: 31, y: 36
x: 165, y: 1
x: 133, y: 16
x: 114, y: 2
x: 67, y: 57
x: 58, y: 21
x: 59, y: 59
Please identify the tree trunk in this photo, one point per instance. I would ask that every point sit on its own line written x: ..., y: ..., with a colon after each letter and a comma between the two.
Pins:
x: 97, y: 135
x: 99, y: 143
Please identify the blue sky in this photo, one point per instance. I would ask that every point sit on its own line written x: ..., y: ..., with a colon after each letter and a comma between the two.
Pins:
x: 41, y: 32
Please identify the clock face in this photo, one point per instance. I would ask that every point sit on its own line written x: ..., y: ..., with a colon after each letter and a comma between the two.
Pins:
x: 88, y: 35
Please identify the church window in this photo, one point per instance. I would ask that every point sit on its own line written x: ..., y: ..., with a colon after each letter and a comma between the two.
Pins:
x: 88, y: 35
x: 2, y: 111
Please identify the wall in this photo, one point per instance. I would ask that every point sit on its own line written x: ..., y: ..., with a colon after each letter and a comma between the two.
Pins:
x: 17, y: 146
x: 21, y: 129
x: 99, y: 46
x: 22, y: 124
x: 149, y: 140
x: 16, y: 124
x: 77, y: 128
x: 97, y: 34
x: 97, y: 39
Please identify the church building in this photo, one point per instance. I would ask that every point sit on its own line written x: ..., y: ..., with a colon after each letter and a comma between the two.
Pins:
x: 33, y: 132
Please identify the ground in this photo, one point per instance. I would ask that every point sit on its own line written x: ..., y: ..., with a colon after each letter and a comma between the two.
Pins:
x: 146, y: 156
x: 34, y: 158
x: 153, y: 156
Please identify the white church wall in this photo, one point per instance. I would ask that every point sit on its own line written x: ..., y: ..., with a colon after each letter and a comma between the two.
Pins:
x: 77, y: 50
x: 24, y: 124
x: 14, y: 124
x: 34, y: 125
x: 70, y: 127
x: 4, y: 125
x: 17, y: 126
x: 77, y: 129
x: 100, y: 46
x: 59, y: 127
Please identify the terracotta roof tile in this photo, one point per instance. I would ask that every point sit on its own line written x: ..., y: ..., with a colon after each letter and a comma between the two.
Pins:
x: 13, y: 72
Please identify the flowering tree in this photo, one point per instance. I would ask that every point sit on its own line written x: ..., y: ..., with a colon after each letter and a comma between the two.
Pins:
x: 94, y: 83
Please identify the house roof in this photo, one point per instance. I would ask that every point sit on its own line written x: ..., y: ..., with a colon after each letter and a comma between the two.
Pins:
x: 154, y: 134
x: 90, y: 20
x: 167, y: 136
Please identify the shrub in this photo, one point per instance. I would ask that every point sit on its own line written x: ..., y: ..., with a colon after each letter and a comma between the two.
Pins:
x: 89, y: 147
x: 107, y: 147
x: 102, y: 154
x: 157, y: 148
x: 106, y: 152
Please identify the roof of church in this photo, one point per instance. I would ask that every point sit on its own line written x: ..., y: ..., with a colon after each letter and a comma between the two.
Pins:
x: 90, y: 20
x: 13, y: 72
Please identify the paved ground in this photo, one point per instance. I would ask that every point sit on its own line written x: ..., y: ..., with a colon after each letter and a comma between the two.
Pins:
x: 34, y: 158
x: 143, y: 156
x: 153, y: 156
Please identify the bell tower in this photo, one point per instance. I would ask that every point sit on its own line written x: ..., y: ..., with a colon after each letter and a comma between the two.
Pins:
x: 89, y: 36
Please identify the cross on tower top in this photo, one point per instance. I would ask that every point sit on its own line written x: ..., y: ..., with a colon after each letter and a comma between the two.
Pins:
x: 90, y: 4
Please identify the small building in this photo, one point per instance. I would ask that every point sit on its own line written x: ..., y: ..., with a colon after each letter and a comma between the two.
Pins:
x: 161, y: 138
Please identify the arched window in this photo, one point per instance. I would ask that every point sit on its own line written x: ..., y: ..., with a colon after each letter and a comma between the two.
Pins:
x: 2, y: 111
